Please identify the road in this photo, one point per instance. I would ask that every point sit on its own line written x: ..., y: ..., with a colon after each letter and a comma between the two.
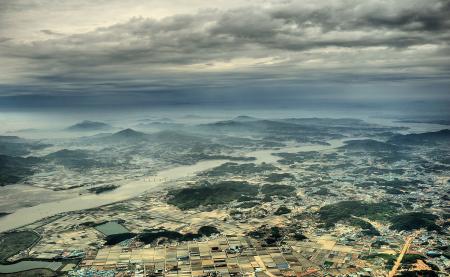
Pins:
x: 405, y: 248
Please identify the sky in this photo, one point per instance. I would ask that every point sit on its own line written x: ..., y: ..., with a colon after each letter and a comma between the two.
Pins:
x: 59, y: 53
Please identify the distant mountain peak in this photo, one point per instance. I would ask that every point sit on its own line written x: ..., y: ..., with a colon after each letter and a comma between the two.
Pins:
x: 87, y: 125
x: 244, y: 118
x: 129, y: 133
x: 68, y: 153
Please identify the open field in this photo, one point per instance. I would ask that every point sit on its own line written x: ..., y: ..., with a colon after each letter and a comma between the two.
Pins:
x: 13, y: 243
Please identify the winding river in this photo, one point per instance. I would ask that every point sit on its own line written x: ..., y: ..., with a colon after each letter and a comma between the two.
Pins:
x: 130, y: 189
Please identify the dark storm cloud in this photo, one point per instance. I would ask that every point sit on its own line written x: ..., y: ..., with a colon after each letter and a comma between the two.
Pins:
x: 430, y: 16
x: 235, y: 33
x: 279, y: 42
x: 434, y: 18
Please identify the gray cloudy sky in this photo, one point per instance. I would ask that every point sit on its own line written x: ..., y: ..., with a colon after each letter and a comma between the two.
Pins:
x: 60, y: 47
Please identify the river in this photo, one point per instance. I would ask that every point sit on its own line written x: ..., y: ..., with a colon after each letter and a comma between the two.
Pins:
x: 267, y: 157
x: 127, y: 190
x: 130, y: 189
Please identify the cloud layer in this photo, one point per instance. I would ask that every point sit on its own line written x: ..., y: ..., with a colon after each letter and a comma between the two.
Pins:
x: 226, y: 45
